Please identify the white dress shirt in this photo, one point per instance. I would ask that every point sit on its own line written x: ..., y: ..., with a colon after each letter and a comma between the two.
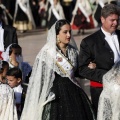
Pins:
x: 18, y: 93
x: 112, y: 40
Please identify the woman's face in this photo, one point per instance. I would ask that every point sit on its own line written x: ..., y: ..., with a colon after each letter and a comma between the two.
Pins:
x: 64, y: 34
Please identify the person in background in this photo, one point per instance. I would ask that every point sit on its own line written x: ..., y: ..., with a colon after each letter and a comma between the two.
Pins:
x: 82, y: 16
x: 34, y: 8
x: 55, y: 12
x: 23, y: 18
x: 8, y: 35
x: 68, y: 7
x: 43, y: 13
x: 102, y: 48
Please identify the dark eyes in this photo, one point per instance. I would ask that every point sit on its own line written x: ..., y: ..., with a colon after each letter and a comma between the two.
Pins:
x: 67, y: 32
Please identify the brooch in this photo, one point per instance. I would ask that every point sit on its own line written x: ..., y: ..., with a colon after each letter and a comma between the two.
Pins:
x: 59, y: 59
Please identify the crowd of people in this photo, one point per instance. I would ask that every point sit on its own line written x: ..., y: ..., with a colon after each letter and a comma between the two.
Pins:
x: 31, y: 14
x: 50, y: 90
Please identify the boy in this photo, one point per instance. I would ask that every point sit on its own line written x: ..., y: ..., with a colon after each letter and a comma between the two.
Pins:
x: 14, y: 77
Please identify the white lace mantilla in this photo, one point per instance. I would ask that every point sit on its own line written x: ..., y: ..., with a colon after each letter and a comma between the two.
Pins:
x: 42, y: 77
x: 7, y: 107
x: 109, y: 102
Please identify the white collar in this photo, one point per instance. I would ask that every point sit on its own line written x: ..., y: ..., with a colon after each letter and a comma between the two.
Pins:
x: 107, y: 33
x: 18, y: 89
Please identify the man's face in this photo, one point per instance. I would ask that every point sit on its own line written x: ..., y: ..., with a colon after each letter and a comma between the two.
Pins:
x: 110, y: 23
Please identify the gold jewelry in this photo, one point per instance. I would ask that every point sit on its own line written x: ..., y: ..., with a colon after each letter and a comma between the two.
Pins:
x: 10, y: 59
x: 58, y: 40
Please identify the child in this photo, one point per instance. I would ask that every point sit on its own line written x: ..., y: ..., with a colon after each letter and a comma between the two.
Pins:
x: 13, y: 55
x: 4, y: 66
x: 14, y: 77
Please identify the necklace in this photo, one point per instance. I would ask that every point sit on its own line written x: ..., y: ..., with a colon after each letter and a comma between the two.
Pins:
x: 63, y: 49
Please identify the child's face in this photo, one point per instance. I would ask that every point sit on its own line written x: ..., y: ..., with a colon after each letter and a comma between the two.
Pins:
x: 13, y: 82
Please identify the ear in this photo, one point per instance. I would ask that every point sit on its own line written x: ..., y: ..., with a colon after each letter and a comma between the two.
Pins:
x: 57, y: 36
x: 19, y: 80
x: 102, y: 19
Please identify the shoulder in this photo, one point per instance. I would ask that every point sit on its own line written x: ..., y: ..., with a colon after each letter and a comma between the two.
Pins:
x: 5, y: 89
x: 93, y: 38
x: 71, y: 48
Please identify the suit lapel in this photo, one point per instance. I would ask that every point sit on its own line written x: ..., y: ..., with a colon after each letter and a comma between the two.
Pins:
x: 118, y: 34
x: 102, y: 40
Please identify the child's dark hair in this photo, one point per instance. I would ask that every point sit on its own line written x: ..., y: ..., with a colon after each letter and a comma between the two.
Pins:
x: 16, y: 72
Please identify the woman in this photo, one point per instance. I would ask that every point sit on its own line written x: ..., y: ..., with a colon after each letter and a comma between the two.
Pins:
x: 109, y: 101
x: 53, y: 92
x: 55, y: 12
x: 82, y: 16
x: 23, y: 18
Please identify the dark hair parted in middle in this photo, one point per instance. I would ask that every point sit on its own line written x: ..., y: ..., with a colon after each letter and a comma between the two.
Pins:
x: 59, y: 24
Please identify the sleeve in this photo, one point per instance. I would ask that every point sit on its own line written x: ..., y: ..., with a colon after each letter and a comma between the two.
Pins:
x: 85, y: 57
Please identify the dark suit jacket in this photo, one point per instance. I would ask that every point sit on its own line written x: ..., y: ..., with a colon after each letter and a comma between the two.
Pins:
x: 10, y: 35
x: 95, y: 48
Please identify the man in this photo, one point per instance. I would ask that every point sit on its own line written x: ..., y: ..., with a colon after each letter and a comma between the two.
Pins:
x: 8, y: 34
x: 102, y: 48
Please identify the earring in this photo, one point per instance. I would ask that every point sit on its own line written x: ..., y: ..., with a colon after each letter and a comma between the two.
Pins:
x: 58, y: 40
x: 10, y: 59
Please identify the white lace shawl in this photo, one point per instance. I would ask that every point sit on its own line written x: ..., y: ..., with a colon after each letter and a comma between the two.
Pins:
x: 42, y: 78
x: 7, y: 106
x: 109, y: 101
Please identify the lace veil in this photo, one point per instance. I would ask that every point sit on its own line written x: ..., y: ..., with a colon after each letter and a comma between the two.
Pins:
x: 109, y: 102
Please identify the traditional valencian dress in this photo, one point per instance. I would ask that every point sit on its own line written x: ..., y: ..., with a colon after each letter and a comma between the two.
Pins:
x: 82, y: 15
x: 53, y: 91
x: 23, y: 18
x: 55, y: 13
x: 7, y: 106
x: 109, y: 101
